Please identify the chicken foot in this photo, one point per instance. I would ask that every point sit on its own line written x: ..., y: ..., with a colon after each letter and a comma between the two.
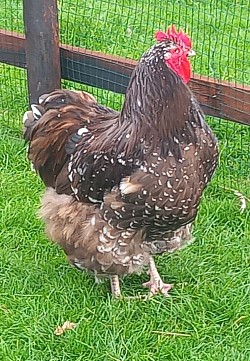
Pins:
x: 155, y: 284
x: 115, y: 286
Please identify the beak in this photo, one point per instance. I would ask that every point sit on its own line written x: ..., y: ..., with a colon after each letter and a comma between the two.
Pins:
x: 191, y: 52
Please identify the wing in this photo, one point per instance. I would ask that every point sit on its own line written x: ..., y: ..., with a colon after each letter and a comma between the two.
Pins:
x: 92, y: 173
x: 164, y: 193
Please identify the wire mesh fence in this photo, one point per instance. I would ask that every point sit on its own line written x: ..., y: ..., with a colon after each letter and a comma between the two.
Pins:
x: 13, y: 83
x: 125, y: 28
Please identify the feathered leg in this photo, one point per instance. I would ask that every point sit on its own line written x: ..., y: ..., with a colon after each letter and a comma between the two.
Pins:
x: 115, y: 286
x: 155, y: 284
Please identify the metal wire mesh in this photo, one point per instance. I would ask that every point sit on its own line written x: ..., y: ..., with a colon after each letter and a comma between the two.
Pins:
x: 13, y: 80
x: 11, y: 15
x: 125, y: 28
x: 220, y: 32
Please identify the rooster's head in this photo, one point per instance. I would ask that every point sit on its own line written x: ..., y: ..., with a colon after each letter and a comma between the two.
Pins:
x: 178, y: 49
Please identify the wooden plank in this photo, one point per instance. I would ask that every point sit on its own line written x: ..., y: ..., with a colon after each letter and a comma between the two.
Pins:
x: 217, y: 98
x: 220, y: 99
x: 42, y: 47
x: 95, y: 69
x: 12, y: 48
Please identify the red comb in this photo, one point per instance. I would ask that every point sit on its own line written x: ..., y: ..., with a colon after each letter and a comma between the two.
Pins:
x: 174, y: 35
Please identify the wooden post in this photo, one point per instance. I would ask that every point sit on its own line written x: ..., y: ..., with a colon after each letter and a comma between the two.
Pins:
x: 42, y: 47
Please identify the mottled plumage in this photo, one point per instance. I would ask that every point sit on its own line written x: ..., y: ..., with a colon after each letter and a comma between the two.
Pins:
x: 123, y: 186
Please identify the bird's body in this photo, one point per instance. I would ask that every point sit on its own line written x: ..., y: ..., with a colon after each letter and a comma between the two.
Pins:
x: 123, y: 186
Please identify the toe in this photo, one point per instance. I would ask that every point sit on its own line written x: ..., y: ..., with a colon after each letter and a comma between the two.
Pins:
x: 165, y: 288
x: 147, y: 284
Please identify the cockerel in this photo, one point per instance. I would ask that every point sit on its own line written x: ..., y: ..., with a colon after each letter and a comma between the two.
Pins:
x: 123, y: 186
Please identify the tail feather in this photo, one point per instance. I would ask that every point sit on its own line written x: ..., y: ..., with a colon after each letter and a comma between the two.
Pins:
x: 61, y: 98
x: 37, y: 111
x: 49, y: 125
x: 30, y: 119
x: 55, y: 100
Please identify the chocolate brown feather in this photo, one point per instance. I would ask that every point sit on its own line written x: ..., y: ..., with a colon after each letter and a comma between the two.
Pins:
x: 122, y: 186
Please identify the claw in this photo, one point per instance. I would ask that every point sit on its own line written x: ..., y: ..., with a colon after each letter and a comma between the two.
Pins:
x: 158, y: 287
x: 155, y: 284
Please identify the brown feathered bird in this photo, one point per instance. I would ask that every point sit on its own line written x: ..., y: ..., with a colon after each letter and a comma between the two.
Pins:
x: 124, y: 186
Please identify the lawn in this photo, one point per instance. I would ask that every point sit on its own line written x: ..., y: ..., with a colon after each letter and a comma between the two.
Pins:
x: 207, y: 316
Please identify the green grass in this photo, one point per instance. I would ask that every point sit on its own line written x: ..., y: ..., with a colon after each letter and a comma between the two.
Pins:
x: 39, y: 290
